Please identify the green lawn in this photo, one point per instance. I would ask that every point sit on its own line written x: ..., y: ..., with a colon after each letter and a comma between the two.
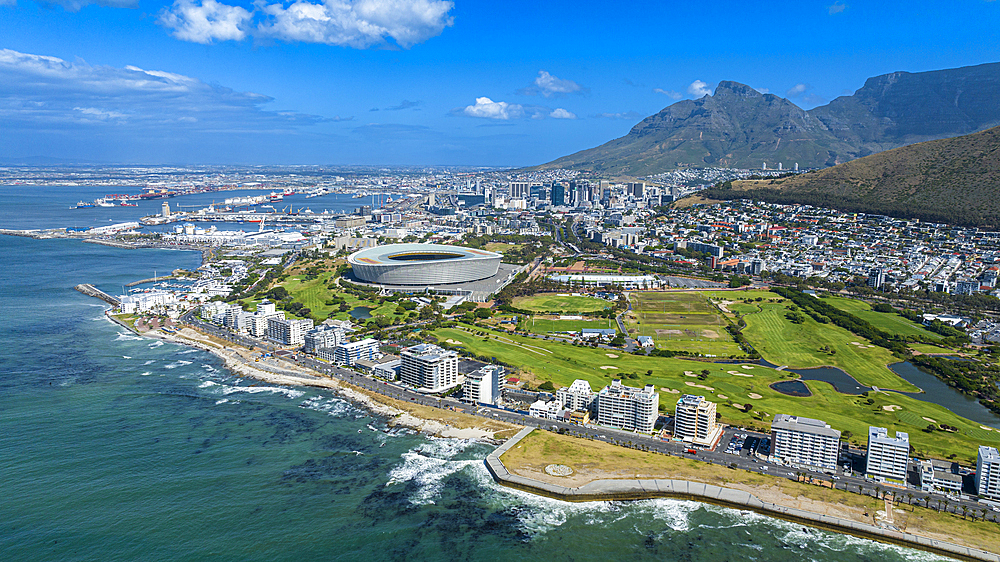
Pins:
x: 928, y: 348
x: 890, y: 322
x: 562, y: 363
x: 681, y: 321
x: 561, y: 303
x: 549, y: 325
x: 781, y: 342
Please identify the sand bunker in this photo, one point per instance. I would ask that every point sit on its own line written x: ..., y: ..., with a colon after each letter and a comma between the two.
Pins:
x: 723, y: 397
x: 929, y: 419
x: 689, y: 374
x: 611, y: 355
x: 710, y: 334
x: 739, y: 374
x: 670, y: 390
x: 746, y: 366
x: 608, y: 367
x: 453, y: 341
x: 892, y: 408
x: 696, y: 385
x: 755, y: 396
x: 986, y: 428
x: 855, y: 343
x: 668, y: 332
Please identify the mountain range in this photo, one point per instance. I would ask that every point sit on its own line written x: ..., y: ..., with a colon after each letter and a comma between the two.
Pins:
x: 739, y: 127
x: 954, y: 180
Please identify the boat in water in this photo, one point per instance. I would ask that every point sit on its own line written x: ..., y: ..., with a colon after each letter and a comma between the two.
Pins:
x: 84, y: 205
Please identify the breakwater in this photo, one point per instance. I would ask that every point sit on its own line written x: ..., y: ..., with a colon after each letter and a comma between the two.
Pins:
x: 640, y: 489
x: 92, y: 291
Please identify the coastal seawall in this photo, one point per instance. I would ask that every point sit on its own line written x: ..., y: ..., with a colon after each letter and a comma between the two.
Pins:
x: 639, y: 489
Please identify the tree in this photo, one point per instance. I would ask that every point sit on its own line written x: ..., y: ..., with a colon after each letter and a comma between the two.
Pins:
x: 484, y: 313
x: 547, y: 386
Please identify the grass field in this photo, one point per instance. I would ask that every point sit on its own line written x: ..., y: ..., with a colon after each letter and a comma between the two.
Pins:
x: 562, y: 363
x: 890, y: 322
x: 680, y: 321
x: 550, y: 325
x: 561, y: 303
x: 798, y: 345
x: 928, y: 348
x: 591, y: 460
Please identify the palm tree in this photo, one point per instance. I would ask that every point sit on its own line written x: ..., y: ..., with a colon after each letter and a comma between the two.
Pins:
x: 909, y: 498
x: 965, y: 511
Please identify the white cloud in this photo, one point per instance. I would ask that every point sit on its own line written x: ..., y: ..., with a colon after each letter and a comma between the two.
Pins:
x: 627, y: 115
x: 796, y: 90
x: 699, y: 89
x: 206, y: 22
x: 359, y: 23
x: 489, y: 109
x: 836, y: 8
x: 763, y: 90
x: 76, y: 5
x: 39, y: 91
x: 350, y: 23
x: 8, y: 2
x: 560, y: 113
x: 669, y: 93
x: 551, y: 86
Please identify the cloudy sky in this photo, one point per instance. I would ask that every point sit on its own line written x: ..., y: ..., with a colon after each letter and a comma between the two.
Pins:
x: 428, y: 81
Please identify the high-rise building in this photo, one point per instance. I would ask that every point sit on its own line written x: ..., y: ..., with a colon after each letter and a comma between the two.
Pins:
x: 988, y: 473
x: 888, y: 457
x: 637, y: 189
x: 578, y: 396
x: 323, y: 336
x: 804, y: 442
x: 628, y: 408
x: 483, y: 386
x: 876, y: 277
x: 519, y: 190
x: 694, y: 420
x: 558, y: 194
x: 349, y: 353
x: 756, y: 266
x: 165, y: 210
x: 288, y: 331
x: 429, y: 368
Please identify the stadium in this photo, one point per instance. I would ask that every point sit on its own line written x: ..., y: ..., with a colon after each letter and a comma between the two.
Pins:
x: 423, y: 264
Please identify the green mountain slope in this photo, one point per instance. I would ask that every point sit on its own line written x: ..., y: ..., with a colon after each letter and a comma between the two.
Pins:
x: 739, y: 127
x: 955, y: 180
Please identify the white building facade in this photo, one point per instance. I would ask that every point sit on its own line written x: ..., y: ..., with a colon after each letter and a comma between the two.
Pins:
x: 429, y: 368
x: 804, y: 442
x: 888, y: 457
x: 483, y: 386
x: 628, y: 408
x: 695, y: 420
x: 988, y: 473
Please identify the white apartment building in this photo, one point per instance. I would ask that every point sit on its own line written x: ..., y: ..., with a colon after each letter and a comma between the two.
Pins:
x: 578, y: 396
x: 429, y: 368
x: 483, y: 386
x: 888, y: 457
x: 804, y: 442
x: 323, y: 336
x: 932, y: 479
x: 349, y: 353
x: 988, y: 473
x: 694, y: 420
x: 288, y: 331
x: 628, y: 408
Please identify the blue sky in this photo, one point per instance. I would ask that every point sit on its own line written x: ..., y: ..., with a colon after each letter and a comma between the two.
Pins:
x: 428, y: 81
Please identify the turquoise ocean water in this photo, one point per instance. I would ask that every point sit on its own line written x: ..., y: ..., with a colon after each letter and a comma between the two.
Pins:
x: 114, y: 447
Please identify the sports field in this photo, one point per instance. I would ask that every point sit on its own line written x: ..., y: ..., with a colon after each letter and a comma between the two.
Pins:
x: 728, y: 385
x: 548, y: 325
x: 561, y: 303
x: 680, y: 322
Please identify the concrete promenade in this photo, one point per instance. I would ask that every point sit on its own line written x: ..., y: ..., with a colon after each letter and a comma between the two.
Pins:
x: 605, y: 490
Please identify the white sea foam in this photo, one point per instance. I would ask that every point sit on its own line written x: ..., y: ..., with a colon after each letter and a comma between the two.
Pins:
x: 226, y: 390
x: 208, y: 384
x: 221, y: 401
x: 150, y: 362
x: 428, y: 465
x: 155, y: 344
x: 125, y: 357
x: 185, y: 352
x: 125, y: 336
x: 335, y: 407
x: 146, y: 374
x: 175, y: 364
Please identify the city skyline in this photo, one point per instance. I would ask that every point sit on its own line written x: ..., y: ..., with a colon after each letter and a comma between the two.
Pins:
x: 425, y: 82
